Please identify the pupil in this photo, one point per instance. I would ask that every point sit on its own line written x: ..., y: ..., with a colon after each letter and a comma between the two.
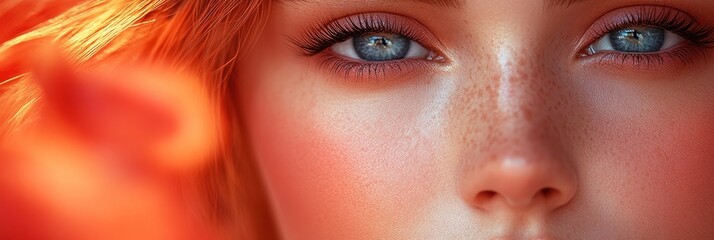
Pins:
x: 632, y: 35
x: 381, y: 46
x: 379, y: 41
x: 638, y: 39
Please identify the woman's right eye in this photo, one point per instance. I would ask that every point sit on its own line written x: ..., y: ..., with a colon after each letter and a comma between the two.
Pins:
x: 379, y: 47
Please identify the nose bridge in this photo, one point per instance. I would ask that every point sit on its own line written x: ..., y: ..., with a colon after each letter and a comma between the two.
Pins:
x: 524, y: 92
x: 506, y: 103
x: 507, y: 95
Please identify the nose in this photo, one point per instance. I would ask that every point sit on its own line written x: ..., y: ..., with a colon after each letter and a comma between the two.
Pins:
x: 519, y: 182
x: 517, y: 160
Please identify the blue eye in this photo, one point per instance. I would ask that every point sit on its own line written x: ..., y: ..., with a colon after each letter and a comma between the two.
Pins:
x: 378, y: 47
x: 637, y: 39
x: 381, y: 47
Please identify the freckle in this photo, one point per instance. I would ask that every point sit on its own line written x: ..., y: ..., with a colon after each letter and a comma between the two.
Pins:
x: 527, y: 113
x: 480, y: 93
x: 495, y: 78
x: 482, y: 118
x: 489, y: 89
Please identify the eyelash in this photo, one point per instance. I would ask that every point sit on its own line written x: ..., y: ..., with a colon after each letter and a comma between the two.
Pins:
x: 698, y: 36
x: 320, y: 37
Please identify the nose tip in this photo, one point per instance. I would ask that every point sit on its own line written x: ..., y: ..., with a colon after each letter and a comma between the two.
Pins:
x: 519, y: 184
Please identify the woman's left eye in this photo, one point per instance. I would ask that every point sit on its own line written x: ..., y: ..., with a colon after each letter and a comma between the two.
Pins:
x: 379, y: 47
x: 636, y: 39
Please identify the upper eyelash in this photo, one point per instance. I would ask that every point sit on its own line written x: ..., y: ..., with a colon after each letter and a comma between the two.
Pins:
x: 669, y: 19
x: 322, y: 36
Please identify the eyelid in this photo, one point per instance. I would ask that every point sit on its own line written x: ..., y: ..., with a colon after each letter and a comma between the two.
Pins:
x: 667, y: 18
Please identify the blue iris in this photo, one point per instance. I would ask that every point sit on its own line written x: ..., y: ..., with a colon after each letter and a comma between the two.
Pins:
x: 381, y: 46
x: 638, y: 39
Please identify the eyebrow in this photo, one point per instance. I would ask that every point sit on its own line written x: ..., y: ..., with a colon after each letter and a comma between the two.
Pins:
x: 562, y: 3
x: 444, y: 3
x: 461, y: 3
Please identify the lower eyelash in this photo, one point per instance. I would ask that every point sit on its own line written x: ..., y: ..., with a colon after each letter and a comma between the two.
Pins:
x: 350, y: 69
x: 685, y: 55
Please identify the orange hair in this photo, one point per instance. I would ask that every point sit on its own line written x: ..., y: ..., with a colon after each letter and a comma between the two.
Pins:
x: 207, y: 36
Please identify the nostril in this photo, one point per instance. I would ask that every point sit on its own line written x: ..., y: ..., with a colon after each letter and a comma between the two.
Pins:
x: 552, y: 196
x: 549, y: 193
x: 484, y: 196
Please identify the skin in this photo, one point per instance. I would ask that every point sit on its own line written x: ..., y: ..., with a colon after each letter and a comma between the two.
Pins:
x: 513, y: 136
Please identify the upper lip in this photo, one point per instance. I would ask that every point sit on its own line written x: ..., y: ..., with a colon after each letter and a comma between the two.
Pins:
x: 531, y: 232
x: 533, y: 237
x: 523, y: 227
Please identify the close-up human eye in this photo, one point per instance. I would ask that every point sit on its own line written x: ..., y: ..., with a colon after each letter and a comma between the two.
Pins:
x: 377, y: 47
x: 639, y: 39
x: 646, y: 36
x: 369, y: 43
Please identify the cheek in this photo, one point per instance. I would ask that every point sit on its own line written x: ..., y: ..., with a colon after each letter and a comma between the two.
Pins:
x: 340, y: 163
x: 671, y: 175
x: 650, y: 159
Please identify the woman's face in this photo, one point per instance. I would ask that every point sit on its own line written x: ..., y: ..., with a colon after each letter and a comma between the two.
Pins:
x: 431, y: 119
